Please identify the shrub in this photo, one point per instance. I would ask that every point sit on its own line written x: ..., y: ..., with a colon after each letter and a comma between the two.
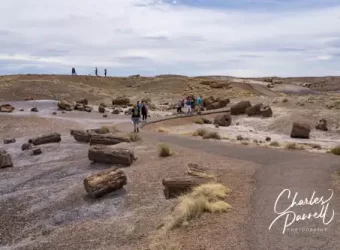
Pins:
x: 107, y: 129
x: 134, y: 137
x: 212, y: 135
x: 240, y: 138
x: 164, y: 150
x: 274, y: 144
x: 163, y: 130
x: 200, y: 132
x: 293, y: 146
x: 335, y: 150
x: 199, y: 121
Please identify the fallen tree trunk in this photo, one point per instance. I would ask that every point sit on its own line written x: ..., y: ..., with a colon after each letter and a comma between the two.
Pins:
x: 104, y: 182
x: 107, y: 139
x: 81, y: 135
x: 5, y: 159
x: 105, y: 154
x: 49, y: 138
x: 177, y: 186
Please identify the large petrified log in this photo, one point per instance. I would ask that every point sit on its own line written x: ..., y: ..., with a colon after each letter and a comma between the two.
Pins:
x: 81, y: 135
x: 5, y: 159
x: 104, y: 182
x: 48, y: 138
x: 105, y: 154
x: 7, y: 108
x: 177, y: 186
x: 107, y: 139
x: 300, y: 130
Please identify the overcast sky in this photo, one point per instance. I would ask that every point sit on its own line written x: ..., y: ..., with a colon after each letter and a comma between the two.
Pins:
x: 190, y: 37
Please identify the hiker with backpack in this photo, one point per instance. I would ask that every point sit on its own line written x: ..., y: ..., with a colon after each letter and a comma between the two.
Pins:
x: 135, y: 117
x: 144, y: 111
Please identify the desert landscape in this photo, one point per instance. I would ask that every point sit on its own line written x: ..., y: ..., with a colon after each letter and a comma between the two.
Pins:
x: 74, y: 176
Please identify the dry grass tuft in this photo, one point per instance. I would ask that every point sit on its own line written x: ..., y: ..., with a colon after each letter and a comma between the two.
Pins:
x: 164, y: 150
x: 294, y: 146
x: 274, y: 144
x: 198, y: 171
x: 134, y: 137
x: 199, y: 121
x: 107, y: 129
x: 335, y: 150
x: 200, y: 132
x: 163, y: 130
x: 205, y: 198
x: 240, y: 138
x: 315, y: 146
x: 212, y: 135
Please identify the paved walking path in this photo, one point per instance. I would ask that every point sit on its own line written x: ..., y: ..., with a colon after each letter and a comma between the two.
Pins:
x: 301, y: 172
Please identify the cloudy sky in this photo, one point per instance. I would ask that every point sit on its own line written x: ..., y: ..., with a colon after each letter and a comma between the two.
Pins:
x: 190, y: 37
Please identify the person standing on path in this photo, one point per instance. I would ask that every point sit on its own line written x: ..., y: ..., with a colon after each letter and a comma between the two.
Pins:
x: 144, y: 111
x: 135, y: 118
x: 74, y: 72
x: 138, y: 106
x: 188, y: 105
x: 199, y: 103
x: 105, y: 72
x: 96, y: 71
x: 179, y: 106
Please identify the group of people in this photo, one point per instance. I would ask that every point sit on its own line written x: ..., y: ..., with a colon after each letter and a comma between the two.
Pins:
x: 95, y: 72
x: 139, y: 110
x: 189, y: 104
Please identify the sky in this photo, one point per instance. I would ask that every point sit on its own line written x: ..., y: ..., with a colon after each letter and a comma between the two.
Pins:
x: 243, y: 38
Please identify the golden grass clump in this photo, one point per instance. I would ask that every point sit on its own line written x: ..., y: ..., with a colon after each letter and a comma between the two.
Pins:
x: 200, y: 132
x: 212, y: 135
x: 294, y: 146
x: 335, y: 150
x: 134, y: 137
x: 204, y: 198
x: 199, y: 121
x: 162, y: 130
x: 107, y: 129
x: 274, y: 144
x: 164, y: 150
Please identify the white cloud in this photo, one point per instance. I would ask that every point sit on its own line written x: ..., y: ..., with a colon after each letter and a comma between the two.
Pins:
x: 124, y: 36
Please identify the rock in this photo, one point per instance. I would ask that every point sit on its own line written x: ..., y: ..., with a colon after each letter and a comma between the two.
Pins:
x: 105, y: 116
x: 5, y: 159
x: 36, y: 151
x: 300, y: 130
x: 240, y: 108
x: 83, y: 101
x: 121, y: 101
x: 107, y: 139
x: 79, y: 106
x: 88, y: 109
x: 217, y: 126
x: 103, y: 105
x: 268, y: 138
x: 80, y: 135
x: 116, y: 111
x: 104, y: 182
x: 106, y: 154
x: 26, y: 146
x: 214, y: 103
x: 48, y: 138
x: 64, y: 105
x: 219, y: 85
x: 277, y: 81
x: 223, y: 120
x: 254, y: 110
x: 206, y: 121
x: 266, y: 111
x: 270, y: 85
x: 54, y: 113
x: 35, y: 109
x: 237, y: 123
x: 21, y: 110
x: 322, y: 125
x: 28, y: 98
x: 285, y: 100
x: 9, y: 141
x: 101, y: 109
x: 63, y: 112
x: 6, y: 108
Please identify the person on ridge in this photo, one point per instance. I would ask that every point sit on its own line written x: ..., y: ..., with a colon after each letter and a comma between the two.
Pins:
x: 135, y: 117
x: 105, y: 72
x: 96, y: 71
x: 74, y: 72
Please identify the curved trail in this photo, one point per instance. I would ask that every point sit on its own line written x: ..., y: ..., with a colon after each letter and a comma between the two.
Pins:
x: 300, y: 172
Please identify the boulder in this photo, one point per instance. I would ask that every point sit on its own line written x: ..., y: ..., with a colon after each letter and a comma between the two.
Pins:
x: 270, y: 85
x: 101, y: 109
x: 64, y: 105
x: 21, y: 110
x: 300, y: 130
x: 8, y: 141
x: 6, y: 108
x: 79, y: 106
x: 36, y: 151
x: 103, y: 105
x: 121, y: 101
x: 322, y: 125
x: 26, y: 146
x: 5, y: 159
x: 254, y: 110
x: 35, y: 109
x: 83, y: 101
x: 116, y: 111
x: 206, y: 121
x: 240, y: 108
x: 223, y: 120
x: 88, y: 109
x: 81, y: 135
x: 268, y: 138
x: 106, y: 154
x: 266, y: 111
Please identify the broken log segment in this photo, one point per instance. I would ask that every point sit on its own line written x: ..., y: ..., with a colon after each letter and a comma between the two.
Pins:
x: 107, y: 139
x: 5, y: 159
x: 104, y: 182
x: 81, y: 135
x: 105, y: 154
x: 175, y: 187
x: 48, y: 138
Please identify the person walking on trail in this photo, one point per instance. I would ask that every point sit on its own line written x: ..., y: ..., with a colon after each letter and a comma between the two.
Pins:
x: 105, y: 72
x: 138, y: 106
x: 144, y: 111
x: 199, y: 102
x: 135, y: 118
x: 188, y: 105
x: 96, y: 71
x: 179, y: 106
x: 192, y: 102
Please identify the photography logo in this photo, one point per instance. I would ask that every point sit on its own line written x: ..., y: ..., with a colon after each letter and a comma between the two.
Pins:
x: 319, y: 207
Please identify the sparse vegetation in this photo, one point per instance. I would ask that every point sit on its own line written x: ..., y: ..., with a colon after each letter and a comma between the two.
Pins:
x: 199, y: 121
x: 239, y: 138
x: 335, y: 150
x: 134, y: 137
x: 164, y: 150
x: 108, y: 129
x: 200, y: 132
x: 212, y: 135
x: 294, y: 146
x: 274, y: 144
x: 245, y: 143
x: 163, y: 130
x: 315, y: 146
x: 205, y: 198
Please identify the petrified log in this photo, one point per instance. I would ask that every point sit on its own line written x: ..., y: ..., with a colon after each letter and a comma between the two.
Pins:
x: 106, y: 154
x: 240, y: 108
x: 300, y: 130
x: 5, y: 159
x: 104, y: 182
x: 177, y: 186
x: 48, y: 138
x: 107, y: 139
x: 81, y: 135
x: 8, y: 141
x: 7, y: 108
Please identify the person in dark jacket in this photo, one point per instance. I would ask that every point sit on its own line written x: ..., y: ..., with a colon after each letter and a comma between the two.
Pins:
x: 135, y: 117
x: 144, y: 111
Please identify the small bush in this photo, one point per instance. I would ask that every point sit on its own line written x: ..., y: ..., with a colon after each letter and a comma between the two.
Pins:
x: 199, y: 121
x: 293, y: 146
x: 212, y: 135
x: 335, y: 150
x: 315, y: 146
x: 200, y: 132
x: 164, y: 150
x: 239, y: 138
x: 134, y: 137
x: 107, y: 129
x: 274, y: 144
x: 163, y: 130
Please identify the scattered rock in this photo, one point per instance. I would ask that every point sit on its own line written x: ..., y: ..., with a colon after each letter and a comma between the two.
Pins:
x: 6, y: 108
x: 223, y: 120
x: 107, y: 139
x: 214, y: 103
x: 64, y: 105
x: 26, y: 146
x: 116, y: 111
x: 103, y: 105
x: 300, y: 130
x: 240, y: 108
x: 9, y: 141
x: 322, y: 125
x: 266, y: 111
x: 106, y: 154
x: 36, y: 151
x: 268, y: 138
x: 35, y: 109
x: 63, y: 112
x: 5, y: 159
x: 105, y: 116
x: 121, y: 101
x: 206, y: 121
x: 83, y: 101
x: 254, y: 110
x: 217, y: 126
x: 21, y: 110
x: 101, y: 109
x: 270, y: 85
x: 28, y: 98
x: 48, y: 138
x: 80, y: 135
x: 285, y: 100
x: 79, y: 106
x: 88, y: 109
x: 237, y: 123
x: 54, y: 113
